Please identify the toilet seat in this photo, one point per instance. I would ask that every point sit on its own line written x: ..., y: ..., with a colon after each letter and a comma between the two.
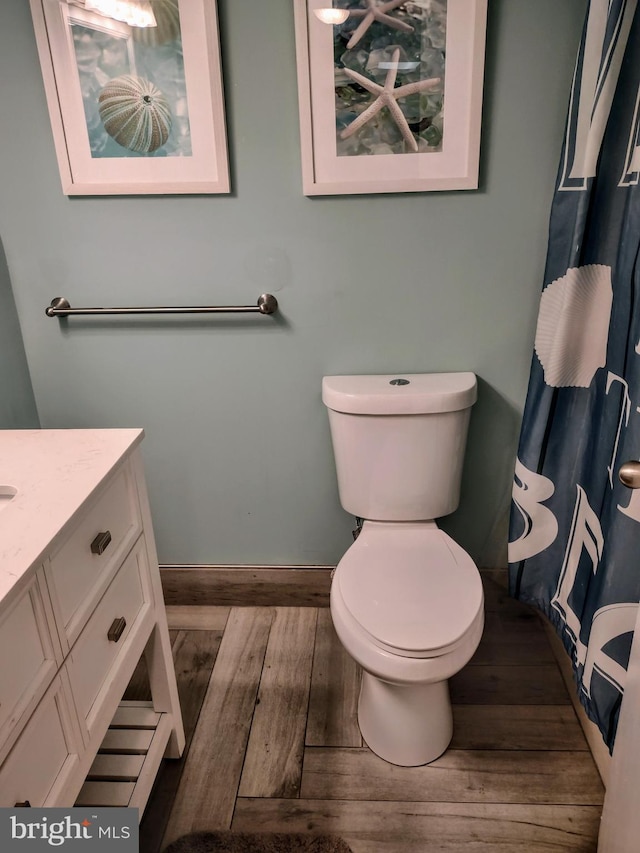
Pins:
x: 410, y: 588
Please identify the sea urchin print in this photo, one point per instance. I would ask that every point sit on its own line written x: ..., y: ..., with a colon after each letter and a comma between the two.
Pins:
x: 135, y: 113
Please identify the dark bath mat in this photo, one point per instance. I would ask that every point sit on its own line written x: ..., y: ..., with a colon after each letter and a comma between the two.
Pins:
x: 261, y: 842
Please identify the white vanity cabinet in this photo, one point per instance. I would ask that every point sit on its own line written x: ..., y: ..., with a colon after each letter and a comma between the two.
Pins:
x: 80, y: 603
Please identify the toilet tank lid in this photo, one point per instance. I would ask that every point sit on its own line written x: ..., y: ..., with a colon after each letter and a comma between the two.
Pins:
x: 400, y: 394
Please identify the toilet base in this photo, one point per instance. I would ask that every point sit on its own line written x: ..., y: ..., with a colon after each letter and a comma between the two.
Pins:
x: 405, y: 724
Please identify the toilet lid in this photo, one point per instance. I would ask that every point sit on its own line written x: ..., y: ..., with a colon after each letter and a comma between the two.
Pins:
x: 414, y: 591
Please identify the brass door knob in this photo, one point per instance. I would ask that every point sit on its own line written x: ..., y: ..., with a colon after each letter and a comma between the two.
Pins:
x: 629, y: 474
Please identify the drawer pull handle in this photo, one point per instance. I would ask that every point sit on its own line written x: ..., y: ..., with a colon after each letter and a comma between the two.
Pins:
x: 116, y: 629
x: 101, y: 542
x: 25, y: 805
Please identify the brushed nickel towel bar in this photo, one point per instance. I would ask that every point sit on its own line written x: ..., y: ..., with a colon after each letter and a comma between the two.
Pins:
x: 266, y: 304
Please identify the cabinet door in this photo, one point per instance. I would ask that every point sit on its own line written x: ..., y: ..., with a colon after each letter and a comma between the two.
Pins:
x: 27, y: 660
x: 41, y: 765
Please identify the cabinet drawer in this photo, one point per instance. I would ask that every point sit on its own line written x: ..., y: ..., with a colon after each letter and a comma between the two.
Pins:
x: 95, y: 658
x: 45, y: 754
x: 81, y: 569
x: 27, y: 660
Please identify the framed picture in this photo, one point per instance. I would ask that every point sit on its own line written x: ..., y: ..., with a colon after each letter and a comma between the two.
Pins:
x: 134, y: 89
x: 390, y: 94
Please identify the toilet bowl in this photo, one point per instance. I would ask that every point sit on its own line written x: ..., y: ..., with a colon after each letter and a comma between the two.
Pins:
x: 406, y: 600
x: 407, y: 605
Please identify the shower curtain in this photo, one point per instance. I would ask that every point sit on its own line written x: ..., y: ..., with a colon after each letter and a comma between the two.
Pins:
x: 574, y: 549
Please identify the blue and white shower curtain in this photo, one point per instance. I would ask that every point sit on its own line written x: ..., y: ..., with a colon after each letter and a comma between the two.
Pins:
x: 574, y: 548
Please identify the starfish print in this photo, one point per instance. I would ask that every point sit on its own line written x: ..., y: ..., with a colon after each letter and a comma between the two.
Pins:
x: 376, y: 12
x: 387, y: 97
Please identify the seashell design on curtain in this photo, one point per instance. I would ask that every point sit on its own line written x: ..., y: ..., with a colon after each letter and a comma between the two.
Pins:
x: 574, y: 550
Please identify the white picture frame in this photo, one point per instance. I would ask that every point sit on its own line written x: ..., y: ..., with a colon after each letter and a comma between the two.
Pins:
x: 80, y: 51
x: 332, y: 164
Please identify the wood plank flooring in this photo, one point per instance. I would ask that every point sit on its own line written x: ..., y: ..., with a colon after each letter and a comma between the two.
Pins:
x: 269, y: 701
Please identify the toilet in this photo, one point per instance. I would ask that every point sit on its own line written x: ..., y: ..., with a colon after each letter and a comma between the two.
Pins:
x: 406, y: 600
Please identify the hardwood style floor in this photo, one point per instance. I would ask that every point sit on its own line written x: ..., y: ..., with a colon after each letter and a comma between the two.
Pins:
x: 269, y: 703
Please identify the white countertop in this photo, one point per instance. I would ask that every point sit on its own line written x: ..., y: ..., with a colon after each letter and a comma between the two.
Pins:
x: 54, y: 471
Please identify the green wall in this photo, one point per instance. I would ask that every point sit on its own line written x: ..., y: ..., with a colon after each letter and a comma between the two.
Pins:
x: 238, y: 453
x: 17, y: 403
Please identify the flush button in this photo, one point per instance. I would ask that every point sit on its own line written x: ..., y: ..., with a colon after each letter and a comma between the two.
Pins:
x: 399, y: 382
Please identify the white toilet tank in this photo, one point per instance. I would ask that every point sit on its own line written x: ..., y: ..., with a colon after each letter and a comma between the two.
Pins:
x: 399, y: 442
